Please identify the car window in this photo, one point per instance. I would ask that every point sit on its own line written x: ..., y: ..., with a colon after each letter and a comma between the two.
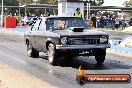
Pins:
x: 49, y: 24
x: 59, y: 24
x: 64, y: 23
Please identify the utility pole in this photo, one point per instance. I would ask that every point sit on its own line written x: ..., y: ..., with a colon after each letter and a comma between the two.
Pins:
x: 2, y: 14
x: 88, y: 9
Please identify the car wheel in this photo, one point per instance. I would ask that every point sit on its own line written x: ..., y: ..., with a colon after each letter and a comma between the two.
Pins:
x: 52, y: 54
x: 31, y: 51
x: 100, y: 57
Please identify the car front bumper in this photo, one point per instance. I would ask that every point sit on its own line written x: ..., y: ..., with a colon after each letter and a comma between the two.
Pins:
x: 83, y: 46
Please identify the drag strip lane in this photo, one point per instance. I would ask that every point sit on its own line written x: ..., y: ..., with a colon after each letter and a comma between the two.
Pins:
x: 40, y: 68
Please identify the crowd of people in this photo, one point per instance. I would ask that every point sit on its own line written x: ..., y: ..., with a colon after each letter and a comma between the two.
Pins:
x: 113, y: 22
x: 109, y: 21
x: 96, y: 21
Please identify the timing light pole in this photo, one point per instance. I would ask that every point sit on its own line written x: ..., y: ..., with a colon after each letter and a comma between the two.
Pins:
x: 2, y: 14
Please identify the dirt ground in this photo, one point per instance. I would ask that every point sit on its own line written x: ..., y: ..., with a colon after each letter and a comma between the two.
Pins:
x: 11, y: 77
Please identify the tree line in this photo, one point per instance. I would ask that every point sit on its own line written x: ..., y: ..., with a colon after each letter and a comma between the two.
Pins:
x: 22, y: 2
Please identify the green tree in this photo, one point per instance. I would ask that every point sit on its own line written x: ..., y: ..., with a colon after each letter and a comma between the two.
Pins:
x: 10, y: 2
x: 42, y: 1
x: 48, y: 1
x: 25, y: 1
x: 96, y: 2
x: 128, y: 4
x: 38, y: 1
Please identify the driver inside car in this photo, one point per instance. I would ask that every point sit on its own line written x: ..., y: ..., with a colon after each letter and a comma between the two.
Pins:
x: 61, y: 24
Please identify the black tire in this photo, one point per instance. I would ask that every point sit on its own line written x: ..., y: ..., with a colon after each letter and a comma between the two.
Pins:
x: 100, y: 57
x: 52, y: 54
x: 31, y: 51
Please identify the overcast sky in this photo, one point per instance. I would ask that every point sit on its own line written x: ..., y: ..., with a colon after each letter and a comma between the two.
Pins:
x: 113, y: 2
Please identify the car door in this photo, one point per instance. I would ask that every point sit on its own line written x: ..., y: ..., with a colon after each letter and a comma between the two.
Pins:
x: 41, y: 36
x: 31, y: 34
x: 35, y: 35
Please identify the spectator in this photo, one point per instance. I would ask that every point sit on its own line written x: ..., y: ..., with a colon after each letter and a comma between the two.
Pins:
x: 90, y: 23
x: 94, y: 20
x: 101, y: 22
x: 77, y: 13
x: 98, y: 22
x: 113, y: 22
x: 123, y: 23
x: 117, y: 23
x: 109, y: 21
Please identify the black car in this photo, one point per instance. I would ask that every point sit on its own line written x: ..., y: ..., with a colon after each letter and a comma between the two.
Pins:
x: 130, y: 22
x: 65, y: 36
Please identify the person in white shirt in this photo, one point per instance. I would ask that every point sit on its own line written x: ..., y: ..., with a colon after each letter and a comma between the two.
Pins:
x: 117, y: 23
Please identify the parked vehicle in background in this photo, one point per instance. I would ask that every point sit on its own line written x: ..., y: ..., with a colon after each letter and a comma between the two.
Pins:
x: 130, y: 22
x: 65, y: 36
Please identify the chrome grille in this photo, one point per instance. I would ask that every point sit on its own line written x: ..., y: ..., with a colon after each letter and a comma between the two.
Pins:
x: 84, y: 41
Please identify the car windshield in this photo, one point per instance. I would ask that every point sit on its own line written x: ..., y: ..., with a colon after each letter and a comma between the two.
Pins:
x: 66, y: 22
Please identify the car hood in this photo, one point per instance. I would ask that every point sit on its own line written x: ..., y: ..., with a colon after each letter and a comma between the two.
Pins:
x: 85, y: 32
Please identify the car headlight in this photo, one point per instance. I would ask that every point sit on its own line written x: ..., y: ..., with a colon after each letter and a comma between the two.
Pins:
x: 103, y: 40
x: 64, y: 40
